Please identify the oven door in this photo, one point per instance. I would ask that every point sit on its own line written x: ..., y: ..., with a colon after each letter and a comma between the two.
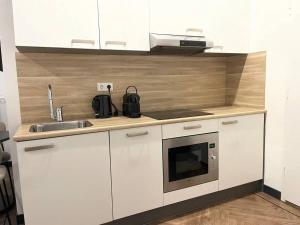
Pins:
x: 190, y: 161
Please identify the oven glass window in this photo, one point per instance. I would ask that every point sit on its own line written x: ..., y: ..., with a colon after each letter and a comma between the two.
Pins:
x: 188, y: 161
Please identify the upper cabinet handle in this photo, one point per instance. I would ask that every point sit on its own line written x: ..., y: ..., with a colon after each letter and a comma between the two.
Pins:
x: 192, y: 127
x: 38, y: 148
x: 137, y: 134
x: 116, y: 43
x: 230, y: 122
x: 196, y: 30
x: 83, y: 41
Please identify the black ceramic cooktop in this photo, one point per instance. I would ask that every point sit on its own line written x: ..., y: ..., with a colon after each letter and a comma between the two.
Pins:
x: 174, y: 114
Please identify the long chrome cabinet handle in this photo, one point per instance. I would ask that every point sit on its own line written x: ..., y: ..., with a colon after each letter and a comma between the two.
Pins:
x: 38, y: 148
x: 192, y: 127
x: 230, y: 122
x: 83, y: 41
x: 137, y: 134
x: 116, y: 43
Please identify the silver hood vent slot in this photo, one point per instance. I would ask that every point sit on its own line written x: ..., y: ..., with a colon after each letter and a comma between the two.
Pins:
x: 186, y: 43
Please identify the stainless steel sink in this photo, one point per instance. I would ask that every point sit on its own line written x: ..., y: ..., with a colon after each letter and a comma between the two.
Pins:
x: 44, y: 127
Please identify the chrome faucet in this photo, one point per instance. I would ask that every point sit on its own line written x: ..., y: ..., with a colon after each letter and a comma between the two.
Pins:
x: 58, y: 114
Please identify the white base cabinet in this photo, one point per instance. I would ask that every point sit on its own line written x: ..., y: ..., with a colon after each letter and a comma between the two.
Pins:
x: 241, y: 141
x: 95, y: 178
x: 136, y: 167
x: 66, y: 180
x: 189, y: 128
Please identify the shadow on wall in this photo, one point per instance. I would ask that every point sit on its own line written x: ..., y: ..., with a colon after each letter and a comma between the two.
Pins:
x: 1, y: 63
x: 235, y: 69
x: 2, y: 99
x: 245, y: 80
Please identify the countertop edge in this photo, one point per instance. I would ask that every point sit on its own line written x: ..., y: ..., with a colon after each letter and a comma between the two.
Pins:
x: 96, y: 129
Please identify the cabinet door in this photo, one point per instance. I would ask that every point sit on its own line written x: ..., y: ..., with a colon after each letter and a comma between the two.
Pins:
x: 178, y: 17
x: 124, y: 25
x: 137, y: 175
x: 225, y: 22
x: 229, y: 26
x: 56, y: 23
x: 189, y: 128
x: 66, y: 180
x: 241, y: 150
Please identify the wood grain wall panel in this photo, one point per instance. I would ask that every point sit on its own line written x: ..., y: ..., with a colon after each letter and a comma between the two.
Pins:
x: 245, y: 80
x: 164, y: 82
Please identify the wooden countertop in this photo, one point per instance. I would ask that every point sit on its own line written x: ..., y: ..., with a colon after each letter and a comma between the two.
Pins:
x: 116, y: 123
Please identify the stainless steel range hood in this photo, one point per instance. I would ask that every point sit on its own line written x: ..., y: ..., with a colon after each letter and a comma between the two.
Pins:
x: 193, y: 44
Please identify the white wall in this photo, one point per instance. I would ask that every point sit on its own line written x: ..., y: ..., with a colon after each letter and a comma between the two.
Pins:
x: 9, y: 83
x: 269, y: 31
x: 2, y: 99
x: 1, y: 83
x: 292, y: 135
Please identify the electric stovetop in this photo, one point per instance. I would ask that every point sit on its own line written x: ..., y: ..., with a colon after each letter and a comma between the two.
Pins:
x: 174, y: 114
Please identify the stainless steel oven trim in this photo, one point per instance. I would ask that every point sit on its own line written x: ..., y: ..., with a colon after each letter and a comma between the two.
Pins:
x: 213, y: 166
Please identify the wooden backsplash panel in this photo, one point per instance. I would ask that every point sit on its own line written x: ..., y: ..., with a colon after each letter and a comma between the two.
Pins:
x: 164, y: 82
x: 245, y: 80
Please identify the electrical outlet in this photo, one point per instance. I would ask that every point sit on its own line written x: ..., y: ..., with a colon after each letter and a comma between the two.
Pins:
x: 103, y: 86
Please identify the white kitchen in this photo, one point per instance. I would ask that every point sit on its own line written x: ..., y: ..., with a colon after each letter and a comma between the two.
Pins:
x: 132, y: 112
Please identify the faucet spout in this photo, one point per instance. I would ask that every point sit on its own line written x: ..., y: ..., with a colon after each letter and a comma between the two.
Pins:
x: 50, y: 98
x: 56, y: 114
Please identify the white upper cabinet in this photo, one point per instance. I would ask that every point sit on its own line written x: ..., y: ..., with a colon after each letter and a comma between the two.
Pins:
x: 225, y: 22
x: 66, y: 180
x: 124, y: 25
x: 56, y: 23
x: 229, y: 26
x: 178, y: 17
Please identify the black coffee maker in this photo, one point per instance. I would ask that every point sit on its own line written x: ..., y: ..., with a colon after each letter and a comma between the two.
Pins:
x: 131, y: 104
x: 102, y: 106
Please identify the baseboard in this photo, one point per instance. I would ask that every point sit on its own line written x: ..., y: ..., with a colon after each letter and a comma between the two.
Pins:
x: 184, y: 207
x: 271, y: 191
x: 20, y: 219
x: 189, y: 206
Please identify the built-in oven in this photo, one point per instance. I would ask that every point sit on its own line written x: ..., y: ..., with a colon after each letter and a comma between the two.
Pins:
x: 190, y: 161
